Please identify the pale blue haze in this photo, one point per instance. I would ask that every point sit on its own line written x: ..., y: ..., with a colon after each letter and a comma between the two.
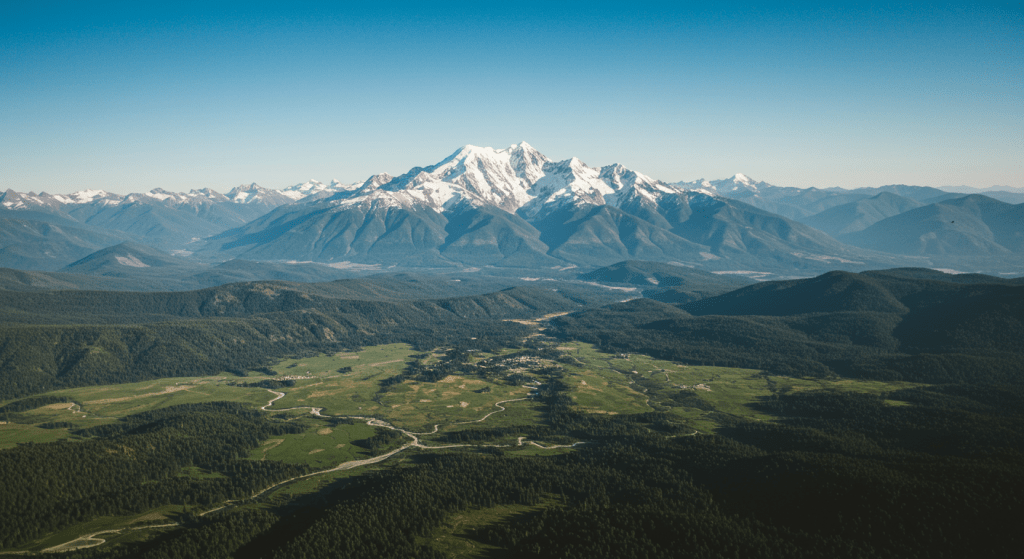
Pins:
x: 127, y: 98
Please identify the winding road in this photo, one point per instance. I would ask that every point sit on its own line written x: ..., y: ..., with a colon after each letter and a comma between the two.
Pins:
x: 93, y: 540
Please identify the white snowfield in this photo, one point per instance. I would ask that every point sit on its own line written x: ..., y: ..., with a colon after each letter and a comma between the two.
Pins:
x: 516, y: 179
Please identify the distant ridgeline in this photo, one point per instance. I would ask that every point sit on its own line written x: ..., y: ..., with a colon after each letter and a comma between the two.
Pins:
x: 508, y: 208
x: 60, y: 339
x: 901, y: 324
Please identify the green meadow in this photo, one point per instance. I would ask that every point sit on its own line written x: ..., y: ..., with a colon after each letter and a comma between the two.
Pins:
x: 703, y: 397
x: 349, y: 384
x: 457, y: 537
x: 320, y: 446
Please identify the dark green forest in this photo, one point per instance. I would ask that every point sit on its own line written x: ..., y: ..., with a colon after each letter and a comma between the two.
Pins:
x: 135, y: 465
x: 932, y: 470
x: 54, y: 340
x: 840, y: 475
x: 871, y: 325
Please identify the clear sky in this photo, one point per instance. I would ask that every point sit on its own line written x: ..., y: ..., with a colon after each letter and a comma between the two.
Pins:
x: 127, y: 96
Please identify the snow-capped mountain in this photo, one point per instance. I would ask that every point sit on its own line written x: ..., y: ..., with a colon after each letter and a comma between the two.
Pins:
x: 517, y: 207
x: 518, y: 179
x: 478, y: 206
x: 164, y: 219
x: 256, y: 194
x: 11, y: 200
x: 736, y: 186
x: 312, y: 190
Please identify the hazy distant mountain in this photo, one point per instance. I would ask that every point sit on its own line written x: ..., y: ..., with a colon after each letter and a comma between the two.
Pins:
x: 971, y: 225
x: 48, y: 245
x: 802, y: 203
x: 859, y: 215
x: 170, y: 220
x: 130, y: 259
x: 929, y: 274
x: 1008, y: 194
x: 665, y: 282
x: 259, y: 199
x: 311, y: 191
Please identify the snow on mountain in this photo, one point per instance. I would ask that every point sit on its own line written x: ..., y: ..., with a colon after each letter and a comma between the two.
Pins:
x: 743, y: 179
x: 315, y: 190
x: 517, y: 179
x: 256, y: 194
x: 481, y: 176
x: 208, y: 194
x: 738, y: 184
x: 377, y: 180
x: 87, y: 197
x: 12, y: 200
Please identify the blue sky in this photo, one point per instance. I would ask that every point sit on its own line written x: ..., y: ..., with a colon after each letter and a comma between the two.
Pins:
x: 127, y: 97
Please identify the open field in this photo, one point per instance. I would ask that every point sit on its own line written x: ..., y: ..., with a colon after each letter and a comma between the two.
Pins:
x: 348, y: 384
x: 315, y: 389
x: 418, y: 406
x: 12, y: 434
x: 634, y: 383
x: 319, y: 446
x: 457, y: 537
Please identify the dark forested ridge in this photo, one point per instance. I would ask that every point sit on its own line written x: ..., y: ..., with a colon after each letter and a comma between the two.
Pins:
x: 901, y: 324
x: 116, y: 337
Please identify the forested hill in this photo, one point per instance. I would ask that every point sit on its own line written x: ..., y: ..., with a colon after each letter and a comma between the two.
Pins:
x: 54, y: 340
x: 886, y: 325
x: 899, y: 291
x: 933, y: 315
x: 398, y: 295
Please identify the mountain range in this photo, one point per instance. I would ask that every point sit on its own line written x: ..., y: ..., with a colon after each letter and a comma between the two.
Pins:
x: 515, y: 208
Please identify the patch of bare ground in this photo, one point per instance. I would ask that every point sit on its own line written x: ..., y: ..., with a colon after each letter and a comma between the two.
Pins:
x: 270, y: 445
x: 387, y: 362
x: 167, y: 390
x: 151, y: 517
